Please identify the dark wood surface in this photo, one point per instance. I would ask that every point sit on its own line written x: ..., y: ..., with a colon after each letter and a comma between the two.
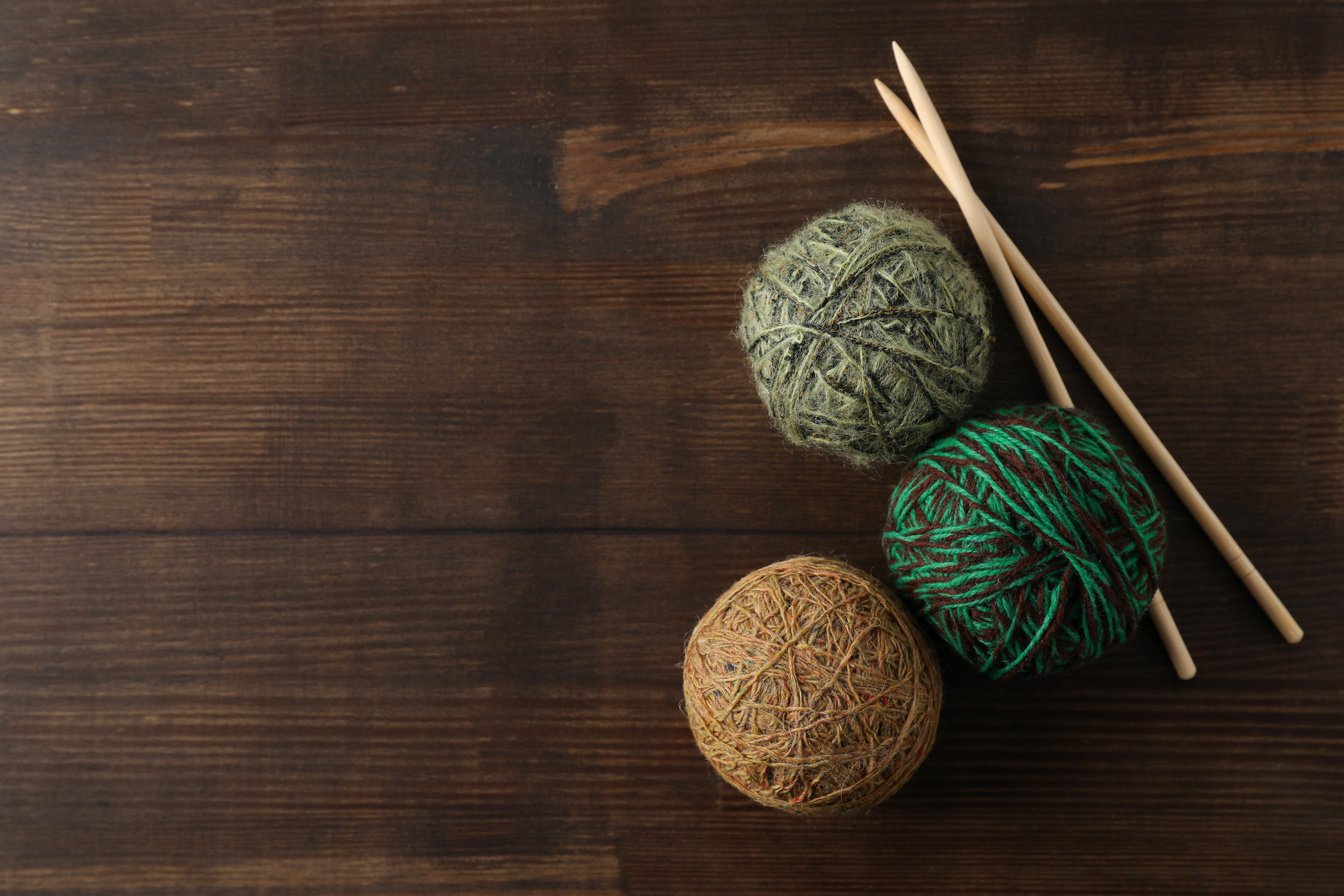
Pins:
x: 372, y: 432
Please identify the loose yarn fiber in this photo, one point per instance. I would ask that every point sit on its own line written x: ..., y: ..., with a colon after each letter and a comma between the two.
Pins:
x: 809, y: 688
x: 1028, y: 539
x: 867, y: 333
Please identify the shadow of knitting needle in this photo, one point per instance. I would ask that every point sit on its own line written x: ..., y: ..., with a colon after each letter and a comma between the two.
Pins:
x: 978, y: 218
x: 1113, y: 393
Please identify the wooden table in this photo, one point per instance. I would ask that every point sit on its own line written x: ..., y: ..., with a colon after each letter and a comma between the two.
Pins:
x: 373, y: 432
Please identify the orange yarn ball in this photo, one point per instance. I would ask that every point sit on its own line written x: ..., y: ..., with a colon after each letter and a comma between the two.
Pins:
x: 809, y: 688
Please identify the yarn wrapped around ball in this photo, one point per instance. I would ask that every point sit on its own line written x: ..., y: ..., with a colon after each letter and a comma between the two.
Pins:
x: 809, y: 688
x: 867, y: 333
x: 1027, y: 539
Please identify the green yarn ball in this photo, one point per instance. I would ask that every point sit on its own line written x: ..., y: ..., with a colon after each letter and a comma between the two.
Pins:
x: 867, y: 333
x: 1027, y: 539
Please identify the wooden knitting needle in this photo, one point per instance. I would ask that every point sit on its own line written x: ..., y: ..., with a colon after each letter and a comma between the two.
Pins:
x: 978, y: 220
x: 1112, y: 392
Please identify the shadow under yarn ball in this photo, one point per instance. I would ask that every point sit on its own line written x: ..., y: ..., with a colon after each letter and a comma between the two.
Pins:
x: 809, y: 688
x: 1027, y: 539
x: 867, y: 333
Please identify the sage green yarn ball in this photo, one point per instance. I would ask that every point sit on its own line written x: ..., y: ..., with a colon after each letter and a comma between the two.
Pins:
x: 867, y: 333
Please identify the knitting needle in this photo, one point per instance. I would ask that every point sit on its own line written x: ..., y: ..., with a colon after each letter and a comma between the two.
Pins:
x: 978, y: 220
x: 1112, y: 392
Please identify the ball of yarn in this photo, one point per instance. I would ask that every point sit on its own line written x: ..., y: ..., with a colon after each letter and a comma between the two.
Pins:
x: 1028, y: 540
x: 809, y: 689
x: 867, y: 333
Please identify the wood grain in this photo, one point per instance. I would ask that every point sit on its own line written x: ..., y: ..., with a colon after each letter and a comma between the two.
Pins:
x: 373, y: 432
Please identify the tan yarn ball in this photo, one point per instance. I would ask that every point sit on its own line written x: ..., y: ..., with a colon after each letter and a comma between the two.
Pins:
x: 809, y: 688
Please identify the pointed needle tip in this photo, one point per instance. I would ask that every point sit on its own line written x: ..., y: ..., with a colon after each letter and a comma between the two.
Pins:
x: 907, y: 68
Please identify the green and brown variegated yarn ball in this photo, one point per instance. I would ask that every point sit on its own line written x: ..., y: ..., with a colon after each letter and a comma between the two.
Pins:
x: 1027, y: 539
x: 867, y: 333
x: 809, y: 688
